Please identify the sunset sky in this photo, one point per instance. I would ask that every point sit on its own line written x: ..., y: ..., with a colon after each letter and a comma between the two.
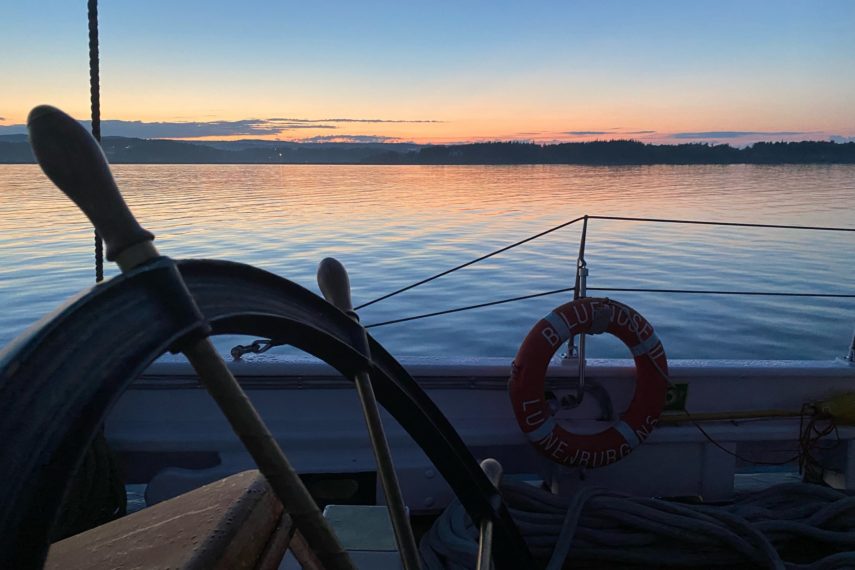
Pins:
x: 435, y: 71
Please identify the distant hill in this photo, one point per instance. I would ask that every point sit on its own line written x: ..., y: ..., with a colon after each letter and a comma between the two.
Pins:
x: 15, y: 149
x: 123, y: 150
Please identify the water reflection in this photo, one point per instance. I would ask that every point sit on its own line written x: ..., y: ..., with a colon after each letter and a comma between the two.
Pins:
x: 394, y: 225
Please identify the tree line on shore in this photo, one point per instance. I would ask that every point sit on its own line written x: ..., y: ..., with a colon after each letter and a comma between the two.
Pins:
x: 616, y: 152
x: 626, y: 152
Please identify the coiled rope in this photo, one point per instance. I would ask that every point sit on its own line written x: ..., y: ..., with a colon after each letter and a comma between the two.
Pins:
x: 96, y: 493
x: 794, y: 526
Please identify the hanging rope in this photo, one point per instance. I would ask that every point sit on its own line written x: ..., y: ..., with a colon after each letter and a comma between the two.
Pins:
x: 95, y: 101
x: 96, y: 492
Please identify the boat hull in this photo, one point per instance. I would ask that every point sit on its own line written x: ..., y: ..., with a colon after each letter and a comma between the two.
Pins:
x: 171, y: 436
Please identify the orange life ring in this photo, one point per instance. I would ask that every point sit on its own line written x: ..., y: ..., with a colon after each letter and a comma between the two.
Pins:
x: 592, y: 316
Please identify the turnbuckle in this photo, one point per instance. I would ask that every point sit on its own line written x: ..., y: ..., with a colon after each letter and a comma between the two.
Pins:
x: 256, y: 347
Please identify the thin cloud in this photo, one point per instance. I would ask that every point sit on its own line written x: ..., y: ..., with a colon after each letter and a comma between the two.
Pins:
x: 735, y: 134
x: 611, y: 131
x: 343, y: 120
x: 349, y: 139
x: 200, y: 129
x: 188, y: 129
x: 184, y: 129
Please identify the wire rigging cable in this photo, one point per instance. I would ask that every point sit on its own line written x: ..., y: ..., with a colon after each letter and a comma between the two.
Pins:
x: 728, y: 224
x: 238, y: 351
x: 616, y: 218
x: 613, y: 289
x: 473, y: 262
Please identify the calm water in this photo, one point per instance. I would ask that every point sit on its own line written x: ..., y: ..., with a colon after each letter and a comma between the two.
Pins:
x: 394, y: 225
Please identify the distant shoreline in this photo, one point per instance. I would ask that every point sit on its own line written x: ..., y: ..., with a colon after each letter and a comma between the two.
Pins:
x: 165, y: 163
x: 14, y: 149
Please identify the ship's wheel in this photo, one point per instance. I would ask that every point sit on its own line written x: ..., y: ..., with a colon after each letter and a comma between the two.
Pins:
x: 59, y: 379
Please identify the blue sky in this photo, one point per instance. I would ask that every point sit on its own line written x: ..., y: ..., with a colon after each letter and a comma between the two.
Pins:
x: 729, y: 71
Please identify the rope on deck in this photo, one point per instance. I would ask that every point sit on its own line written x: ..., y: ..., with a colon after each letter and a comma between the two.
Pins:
x: 794, y: 526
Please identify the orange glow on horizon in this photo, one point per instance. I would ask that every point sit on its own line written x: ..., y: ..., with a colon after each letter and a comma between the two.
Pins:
x: 470, y: 122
